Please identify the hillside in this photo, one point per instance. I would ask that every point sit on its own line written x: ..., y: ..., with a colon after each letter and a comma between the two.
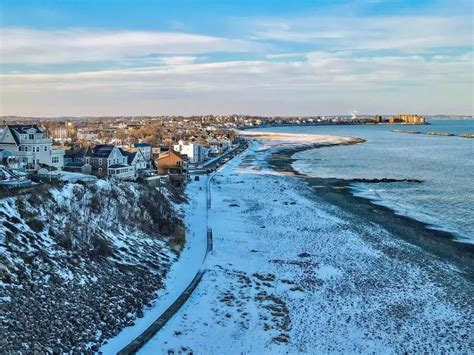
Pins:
x: 78, y: 263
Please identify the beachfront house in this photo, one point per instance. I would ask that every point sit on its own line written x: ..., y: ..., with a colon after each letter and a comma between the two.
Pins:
x: 31, y: 147
x: 196, y: 153
x: 146, y: 150
x: 136, y: 159
x: 107, y: 160
x: 170, y: 162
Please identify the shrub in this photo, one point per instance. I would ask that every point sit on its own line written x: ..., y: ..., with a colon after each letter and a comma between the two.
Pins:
x: 100, y: 247
x: 94, y: 204
x: 178, y: 238
x: 35, y: 224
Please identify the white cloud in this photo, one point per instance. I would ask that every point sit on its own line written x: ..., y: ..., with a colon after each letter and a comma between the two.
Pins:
x: 404, y: 33
x: 313, y: 65
x: 323, y: 82
x: 27, y: 46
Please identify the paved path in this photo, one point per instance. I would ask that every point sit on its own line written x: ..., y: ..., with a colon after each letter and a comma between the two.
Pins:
x: 158, y: 324
x: 145, y: 336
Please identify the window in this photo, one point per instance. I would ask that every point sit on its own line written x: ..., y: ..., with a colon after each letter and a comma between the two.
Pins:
x: 20, y: 148
x: 26, y: 148
x: 31, y: 136
x: 55, y: 160
x: 45, y: 148
x: 100, y: 161
x: 100, y: 170
x: 37, y: 149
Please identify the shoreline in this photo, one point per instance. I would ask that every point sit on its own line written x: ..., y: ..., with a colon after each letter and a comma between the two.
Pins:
x: 338, y: 192
x: 314, y: 276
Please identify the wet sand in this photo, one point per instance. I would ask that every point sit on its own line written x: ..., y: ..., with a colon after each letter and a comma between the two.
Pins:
x: 337, y: 192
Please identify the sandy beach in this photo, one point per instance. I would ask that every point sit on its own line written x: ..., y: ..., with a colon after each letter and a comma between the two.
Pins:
x: 294, y: 270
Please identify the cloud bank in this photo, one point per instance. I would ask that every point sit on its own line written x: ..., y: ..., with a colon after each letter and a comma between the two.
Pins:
x: 302, y: 65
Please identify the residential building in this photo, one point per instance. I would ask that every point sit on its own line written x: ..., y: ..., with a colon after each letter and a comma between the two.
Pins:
x: 145, y: 148
x: 107, y: 160
x: 31, y: 147
x: 78, y: 167
x: 218, y: 147
x: 196, y: 153
x: 136, y: 159
x: 170, y: 163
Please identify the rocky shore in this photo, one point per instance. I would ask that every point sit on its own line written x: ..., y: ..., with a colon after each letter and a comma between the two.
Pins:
x: 291, y: 272
x: 338, y: 192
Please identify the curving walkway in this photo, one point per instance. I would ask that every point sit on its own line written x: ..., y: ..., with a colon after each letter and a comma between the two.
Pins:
x: 140, y: 340
x: 159, y: 323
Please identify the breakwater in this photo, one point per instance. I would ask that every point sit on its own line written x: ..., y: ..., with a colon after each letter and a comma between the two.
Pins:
x: 441, y: 134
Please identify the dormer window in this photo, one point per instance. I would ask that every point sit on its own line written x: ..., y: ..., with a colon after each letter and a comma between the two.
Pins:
x: 31, y: 136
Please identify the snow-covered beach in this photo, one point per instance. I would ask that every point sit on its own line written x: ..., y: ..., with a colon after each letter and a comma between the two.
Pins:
x: 292, y: 273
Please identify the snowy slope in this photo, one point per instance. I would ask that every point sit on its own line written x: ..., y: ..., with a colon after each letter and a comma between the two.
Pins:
x: 79, y: 263
x: 181, y: 272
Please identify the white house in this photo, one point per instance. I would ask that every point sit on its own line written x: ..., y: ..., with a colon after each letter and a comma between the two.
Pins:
x: 31, y: 147
x: 145, y: 148
x: 196, y: 153
x: 218, y: 147
x: 136, y: 159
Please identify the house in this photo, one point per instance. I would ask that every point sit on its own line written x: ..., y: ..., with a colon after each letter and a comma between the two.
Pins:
x: 31, y: 147
x: 170, y: 163
x: 218, y: 147
x: 145, y: 149
x: 107, y: 160
x: 78, y: 167
x: 136, y: 159
x: 196, y: 153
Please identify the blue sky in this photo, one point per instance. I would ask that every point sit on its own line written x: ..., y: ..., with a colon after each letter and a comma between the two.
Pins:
x: 254, y: 57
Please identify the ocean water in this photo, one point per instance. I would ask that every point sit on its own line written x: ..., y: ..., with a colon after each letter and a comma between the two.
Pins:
x: 445, y: 198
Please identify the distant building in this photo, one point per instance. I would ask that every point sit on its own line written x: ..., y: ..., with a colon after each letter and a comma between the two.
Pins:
x: 408, y: 119
x: 31, y: 147
x: 64, y: 131
x: 377, y: 119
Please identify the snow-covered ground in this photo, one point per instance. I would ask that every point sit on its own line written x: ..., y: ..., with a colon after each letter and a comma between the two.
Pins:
x: 181, y: 273
x: 291, y: 274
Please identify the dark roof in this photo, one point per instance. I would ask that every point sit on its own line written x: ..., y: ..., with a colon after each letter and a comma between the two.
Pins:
x: 75, y: 153
x: 100, y: 151
x: 22, y: 128
x: 139, y: 145
x: 18, y: 129
x: 130, y: 155
x: 75, y: 164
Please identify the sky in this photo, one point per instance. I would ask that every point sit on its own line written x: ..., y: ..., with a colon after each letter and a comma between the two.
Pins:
x: 116, y: 57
